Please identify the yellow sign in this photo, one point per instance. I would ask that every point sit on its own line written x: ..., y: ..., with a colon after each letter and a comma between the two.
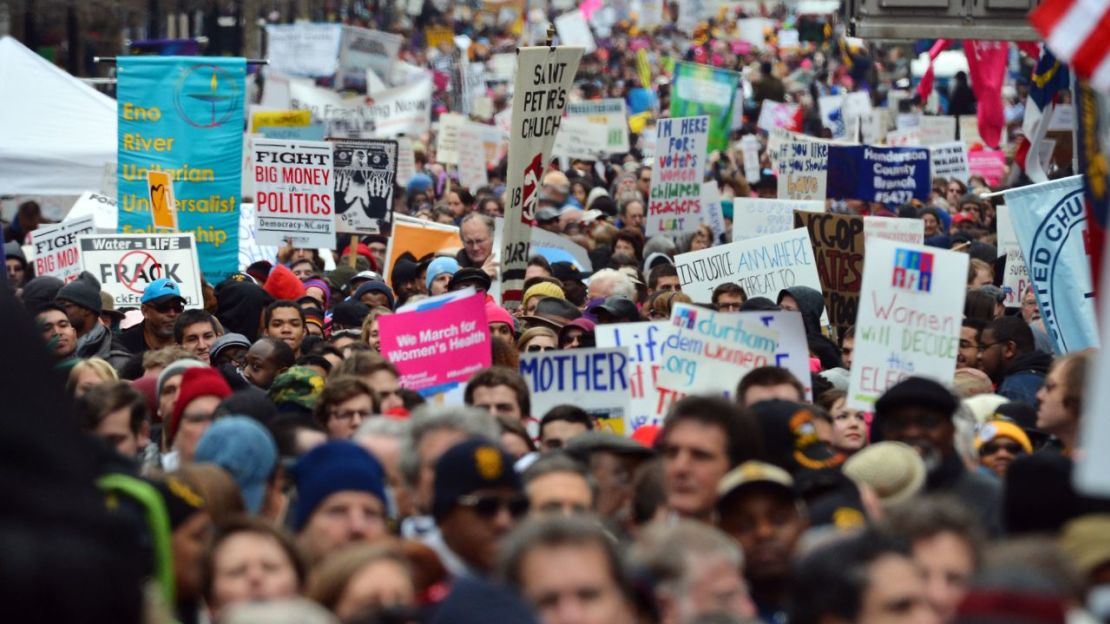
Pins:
x: 281, y: 119
x: 644, y: 68
x: 439, y: 35
x: 162, y: 206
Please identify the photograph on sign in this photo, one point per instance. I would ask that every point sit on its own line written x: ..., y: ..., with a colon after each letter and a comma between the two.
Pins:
x: 365, y: 171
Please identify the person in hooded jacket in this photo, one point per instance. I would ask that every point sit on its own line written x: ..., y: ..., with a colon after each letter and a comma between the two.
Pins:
x: 810, y: 303
x: 1008, y: 355
x: 240, y: 304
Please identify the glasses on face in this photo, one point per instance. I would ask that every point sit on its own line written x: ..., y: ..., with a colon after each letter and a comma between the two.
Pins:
x: 985, y: 347
x: 351, y: 415
x: 475, y: 242
x: 728, y: 307
x: 967, y: 344
x: 489, y: 505
x: 648, y: 180
x: 539, y: 348
x: 166, y: 307
x: 994, y: 446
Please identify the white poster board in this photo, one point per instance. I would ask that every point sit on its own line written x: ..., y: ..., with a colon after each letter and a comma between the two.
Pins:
x: 294, y: 192
x: 126, y: 264
x: 753, y: 217
x: 56, y: 252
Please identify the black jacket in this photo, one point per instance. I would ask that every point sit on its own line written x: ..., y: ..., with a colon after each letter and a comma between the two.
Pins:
x: 811, y: 304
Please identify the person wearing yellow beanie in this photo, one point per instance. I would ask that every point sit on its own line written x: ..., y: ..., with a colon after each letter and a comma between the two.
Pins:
x: 538, y: 291
x: 999, y: 443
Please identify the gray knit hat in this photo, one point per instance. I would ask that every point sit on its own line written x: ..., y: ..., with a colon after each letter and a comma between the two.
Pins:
x: 83, y: 291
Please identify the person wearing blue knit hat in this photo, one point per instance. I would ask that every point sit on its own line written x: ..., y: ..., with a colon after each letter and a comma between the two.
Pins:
x: 340, y: 499
x: 246, y: 450
x: 439, y: 274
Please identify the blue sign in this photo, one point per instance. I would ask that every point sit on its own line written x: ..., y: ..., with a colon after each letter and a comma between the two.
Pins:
x: 887, y: 175
x: 184, y: 116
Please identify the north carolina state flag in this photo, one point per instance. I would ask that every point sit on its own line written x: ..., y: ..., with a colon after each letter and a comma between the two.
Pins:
x: 1079, y: 34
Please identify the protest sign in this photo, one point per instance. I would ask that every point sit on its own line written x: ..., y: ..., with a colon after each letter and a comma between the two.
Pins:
x: 909, y: 319
x: 838, y: 245
x: 472, y: 159
x: 803, y: 166
x: 406, y: 161
x: 100, y: 207
x: 1092, y: 469
x: 543, y: 78
x: 56, y: 249
x: 447, y: 138
x: 249, y: 249
x: 184, y: 116
x: 711, y: 212
x: 832, y: 114
x: 593, y: 129
x: 888, y: 175
x: 643, y: 343
x: 551, y: 240
x: 126, y: 264
x: 763, y: 266
x: 163, y: 208
x: 303, y: 49
x: 261, y: 119
x: 934, y: 130
x: 703, y: 90
x: 990, y: 164
x: 910, y: 231
x: 675, y: 203
x: 903, y: 137
x: 949, y: 160
x: 969, y: 130
x: 294, y: 192
x: 873, y: 126
x: 595, y: 380
x: 365, y: 171
x: 710, y: 352
x: 1015, y: 277
x: 443, y: 342
x: 574, y: 31
x: 405, y: 109
x: 754, y: 217
x: 749, y: 148
x: 420, y: 238
x: 1051, y: 225
x: 779, y: 115
x: 362, y: 49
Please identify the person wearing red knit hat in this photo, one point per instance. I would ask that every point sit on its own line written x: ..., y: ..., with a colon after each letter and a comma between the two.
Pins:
x: 282, y: 284
x: 201, y: 391
x: 500, y: 322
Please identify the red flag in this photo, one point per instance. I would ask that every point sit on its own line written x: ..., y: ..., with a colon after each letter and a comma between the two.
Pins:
x: 925, y: 87
x: 1079, y: 34
x: 986, y: 62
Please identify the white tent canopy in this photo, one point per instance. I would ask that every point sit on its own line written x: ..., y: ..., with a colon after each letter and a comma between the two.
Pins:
x: 57, y: 134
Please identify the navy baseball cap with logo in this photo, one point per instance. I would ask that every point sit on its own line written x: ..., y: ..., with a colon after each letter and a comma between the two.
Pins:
x: 160, y: 290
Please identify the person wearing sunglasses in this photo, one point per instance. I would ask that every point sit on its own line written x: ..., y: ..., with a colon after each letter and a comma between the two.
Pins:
x: 999, y: 443
x: 477, y: 500
x: 538, y: 340
x: 161, y: 304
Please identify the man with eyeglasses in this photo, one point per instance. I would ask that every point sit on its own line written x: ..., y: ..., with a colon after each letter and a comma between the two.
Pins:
x: 643, y: 181
x: 1008, y: 354
x: 161, y: 303
x: 477, y: 501
x: 967, y: 356
x: 728, y: 297
x: 919, y: 412
x: 343, y: 405
x: 476, y: 231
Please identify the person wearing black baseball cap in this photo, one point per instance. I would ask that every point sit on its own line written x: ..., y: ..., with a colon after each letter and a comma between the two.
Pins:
x: 478, y: 499
x: 919, y: 412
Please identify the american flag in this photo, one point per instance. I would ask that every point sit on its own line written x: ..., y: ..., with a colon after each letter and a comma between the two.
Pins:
x: 1078, y: 32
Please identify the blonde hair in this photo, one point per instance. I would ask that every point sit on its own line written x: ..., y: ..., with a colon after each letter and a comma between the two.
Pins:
x: 329, y: 580
x: 99, y: 366
x: 375, y: 314
x: 529, y: 334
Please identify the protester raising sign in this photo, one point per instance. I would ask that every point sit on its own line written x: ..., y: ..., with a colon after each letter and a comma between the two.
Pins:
x: 910, y: 231
x: 592, y: 129
x: 949, y: 160
x: 710, y: 352
x: 437, y: 342
x: 838, y: 248
x: 909, y: 319
x: 595, y: 380
x: 56, y: 250
x: 644, y: 345
x: 888, y: 175
x: 755, y: 217
x: 303, y: 49
x: 1015, y: 278
x: 763, y: 266
x: 183, y: 116
x: 365, y: 171
x: 405, y: 109
x: 704, y: 90
x: 472, y: 159
x: 1051, y: 224
x: 294, y: 192
x: 675, y: 203
x: 802, y: 165
x: 420, y: 238
x: 126, y: 264
x: 543, y: 78
x: 363, y: 49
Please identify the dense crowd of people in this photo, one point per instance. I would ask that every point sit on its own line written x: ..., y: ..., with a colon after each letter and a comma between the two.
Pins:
x: 257, y: 459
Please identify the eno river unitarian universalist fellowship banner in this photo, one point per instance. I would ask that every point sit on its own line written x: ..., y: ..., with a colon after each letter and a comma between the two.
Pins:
x: 184, y: 116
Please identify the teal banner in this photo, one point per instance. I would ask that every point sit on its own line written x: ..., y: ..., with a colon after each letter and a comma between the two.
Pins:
x: 704, y: 90
x: 184, y: 116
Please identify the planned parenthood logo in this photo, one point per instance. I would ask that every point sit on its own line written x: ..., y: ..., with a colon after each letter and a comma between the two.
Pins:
x: 913, y: 270
x: 685, y: 318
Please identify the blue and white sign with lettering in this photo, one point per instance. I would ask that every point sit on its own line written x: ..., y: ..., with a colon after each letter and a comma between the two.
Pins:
x: 888, y: 175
